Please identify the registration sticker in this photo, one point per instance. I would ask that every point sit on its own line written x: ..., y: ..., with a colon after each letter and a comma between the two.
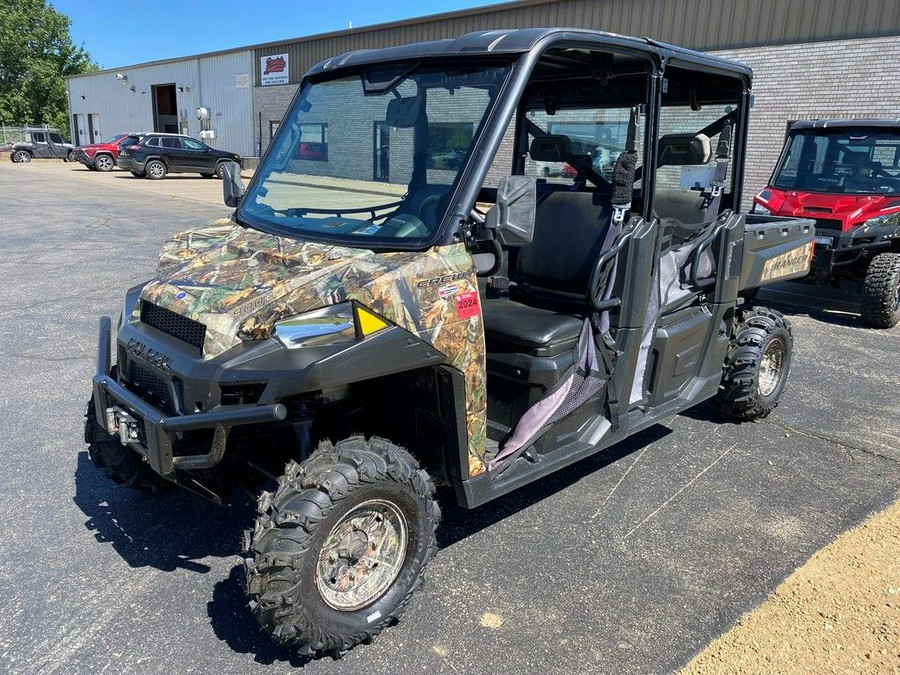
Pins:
x: 467, y: 305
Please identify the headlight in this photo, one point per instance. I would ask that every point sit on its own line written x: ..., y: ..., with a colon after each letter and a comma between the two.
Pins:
x: 327, y: 326
x: 884, y: 221
x: 334, y: 325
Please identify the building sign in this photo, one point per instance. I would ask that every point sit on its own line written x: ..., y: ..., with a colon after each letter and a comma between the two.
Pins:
x: 273, y: 69
x: 242, y: 80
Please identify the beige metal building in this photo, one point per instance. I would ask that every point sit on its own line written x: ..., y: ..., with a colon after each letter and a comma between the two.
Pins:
x: 812, y: 58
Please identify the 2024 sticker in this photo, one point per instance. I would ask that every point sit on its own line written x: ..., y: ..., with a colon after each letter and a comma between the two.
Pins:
x: 467, y: 305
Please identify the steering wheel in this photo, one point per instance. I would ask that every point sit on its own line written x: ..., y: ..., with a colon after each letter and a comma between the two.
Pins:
x: 497, y: 253
x: 878, y: 170
x: 496, y: 250
x: 404, y: 225
x: 427, y: 204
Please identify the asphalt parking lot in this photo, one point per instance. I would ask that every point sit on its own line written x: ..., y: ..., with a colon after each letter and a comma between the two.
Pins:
x: 628, y: 562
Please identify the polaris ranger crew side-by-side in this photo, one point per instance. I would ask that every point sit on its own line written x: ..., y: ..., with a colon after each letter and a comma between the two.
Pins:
x: 423, y: 302
x: 846, y: 175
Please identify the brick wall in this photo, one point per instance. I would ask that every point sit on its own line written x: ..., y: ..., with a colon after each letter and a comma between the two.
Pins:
x: 841, y: 79
x: 272, y: 102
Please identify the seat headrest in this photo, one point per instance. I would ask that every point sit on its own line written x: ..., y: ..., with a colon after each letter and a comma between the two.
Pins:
x: 551, y: 148
x: 684, y: 149
x: 856, y: 158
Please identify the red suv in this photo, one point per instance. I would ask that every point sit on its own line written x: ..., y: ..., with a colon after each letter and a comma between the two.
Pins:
x: 100, y: 156
x: 846, y: 175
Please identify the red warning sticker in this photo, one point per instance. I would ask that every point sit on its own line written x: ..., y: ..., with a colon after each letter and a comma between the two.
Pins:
x: 467, y: 305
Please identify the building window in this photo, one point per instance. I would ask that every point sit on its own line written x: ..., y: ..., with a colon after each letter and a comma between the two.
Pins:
x: 448, y: 143
x: 313, y: 145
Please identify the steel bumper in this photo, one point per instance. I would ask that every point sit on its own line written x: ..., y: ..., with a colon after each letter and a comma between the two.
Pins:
x: 159, y: 429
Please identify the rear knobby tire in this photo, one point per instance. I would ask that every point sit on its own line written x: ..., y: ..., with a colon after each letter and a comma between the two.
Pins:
x: 312, y: 560
x: 757, y: 364
x: 120, y: 463
x: 880, y: 303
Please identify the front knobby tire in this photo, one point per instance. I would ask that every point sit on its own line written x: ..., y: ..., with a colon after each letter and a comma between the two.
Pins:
x: 757, y: 364
x: 119, y: 463
x: 341, y: 545
x: 880, y: 303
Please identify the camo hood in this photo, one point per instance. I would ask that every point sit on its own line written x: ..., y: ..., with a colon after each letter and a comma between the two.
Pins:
x: 239, y: 282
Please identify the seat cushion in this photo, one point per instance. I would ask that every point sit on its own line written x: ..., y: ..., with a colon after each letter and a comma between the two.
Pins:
x: 528, y: 328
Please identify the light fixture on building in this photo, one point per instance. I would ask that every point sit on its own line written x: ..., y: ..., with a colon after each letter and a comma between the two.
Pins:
x: 121, y: 76
x: 185, y: 88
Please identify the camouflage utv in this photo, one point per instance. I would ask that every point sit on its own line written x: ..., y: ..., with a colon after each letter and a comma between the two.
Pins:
x: 405, y: 297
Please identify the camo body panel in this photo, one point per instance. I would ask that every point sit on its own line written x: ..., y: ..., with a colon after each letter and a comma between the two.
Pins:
x: 239, y: 282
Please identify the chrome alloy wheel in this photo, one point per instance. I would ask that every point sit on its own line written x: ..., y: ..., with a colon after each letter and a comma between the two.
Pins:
x: 362, y: 555
x: 771, y: 367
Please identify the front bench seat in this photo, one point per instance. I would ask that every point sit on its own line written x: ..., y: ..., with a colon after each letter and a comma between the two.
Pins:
x: 545, y: 311
x: 514, y: 326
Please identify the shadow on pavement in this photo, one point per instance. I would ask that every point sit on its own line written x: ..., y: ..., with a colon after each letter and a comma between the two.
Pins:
x: 166, y: 530
x: 233, y: 624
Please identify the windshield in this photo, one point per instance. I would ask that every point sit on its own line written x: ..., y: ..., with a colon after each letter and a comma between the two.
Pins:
x: 372, y: 158
x: 113, y: 139
x: 855, y: 160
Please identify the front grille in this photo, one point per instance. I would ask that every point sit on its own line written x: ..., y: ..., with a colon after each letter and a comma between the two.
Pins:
x: 176, y: 325
x: 816, y: 209
x: 827, y: 224
x: 151, y: 385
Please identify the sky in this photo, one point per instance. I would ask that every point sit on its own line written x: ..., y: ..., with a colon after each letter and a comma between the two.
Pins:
x: 124, y: 32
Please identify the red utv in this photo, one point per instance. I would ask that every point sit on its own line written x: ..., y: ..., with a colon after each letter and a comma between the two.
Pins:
x: 846, y: 175
x: 100, y: 156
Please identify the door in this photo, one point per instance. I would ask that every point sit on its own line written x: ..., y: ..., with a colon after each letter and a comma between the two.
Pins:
x: 174, y: 153
x: 41, y: 147
x: 382, y: 152
x: 165, y: 108
x: 81, y: 137
x: 94, y: 123
x: 57, y: 149
x: 197, y: 156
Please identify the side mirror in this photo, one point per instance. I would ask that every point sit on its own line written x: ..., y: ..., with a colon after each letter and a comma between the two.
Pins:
x: 232, y: 185
x: 512, y: 217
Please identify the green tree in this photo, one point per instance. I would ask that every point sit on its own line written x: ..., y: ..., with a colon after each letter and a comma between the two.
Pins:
x: 36, y: 54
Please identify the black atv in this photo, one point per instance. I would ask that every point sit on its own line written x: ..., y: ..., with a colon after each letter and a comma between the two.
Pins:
x: 376, y: 319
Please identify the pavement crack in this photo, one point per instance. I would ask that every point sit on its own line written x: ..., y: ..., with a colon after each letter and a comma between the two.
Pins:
x: 849, y: 447
x: 616, y: 486
x: 682, y: 489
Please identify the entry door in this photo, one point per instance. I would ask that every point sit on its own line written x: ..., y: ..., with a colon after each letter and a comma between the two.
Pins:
x: 94, y: 123
x: 81, y: 137
x: 382, y: 152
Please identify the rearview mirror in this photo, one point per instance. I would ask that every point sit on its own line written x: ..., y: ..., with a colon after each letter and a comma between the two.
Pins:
x: 232, y: 185
x: 403, y: 113
x: 512, y: 217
